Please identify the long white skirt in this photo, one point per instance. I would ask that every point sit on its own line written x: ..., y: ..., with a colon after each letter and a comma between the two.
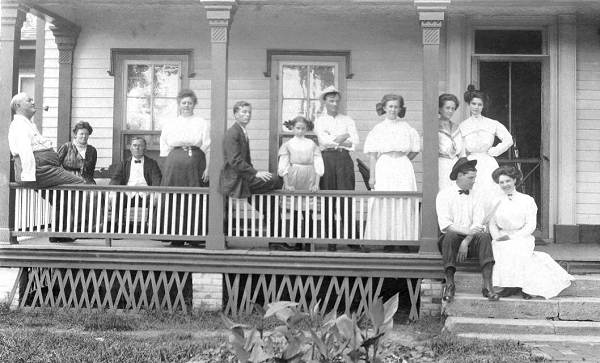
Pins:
x: 485, y: 187
x: 536, y: 273
x: 392, y: 218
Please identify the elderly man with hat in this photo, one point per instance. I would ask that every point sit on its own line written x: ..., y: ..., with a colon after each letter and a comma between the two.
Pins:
x: 462, y: 222
x: 337, y: 137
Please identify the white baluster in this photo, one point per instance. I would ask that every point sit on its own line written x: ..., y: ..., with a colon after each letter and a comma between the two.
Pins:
x: 106, y: 203
x: 261, y: 213
x: 245, y: 232
x: 238, y: 220
x: 199, y: 215
x: 136, y: 208
x: 189, y: 216
x: 144, y: 210
x: 180, y: 199
x: 362, y: 217
x: 91, y: 212
x: 253, y: 220
x: 229, y: 217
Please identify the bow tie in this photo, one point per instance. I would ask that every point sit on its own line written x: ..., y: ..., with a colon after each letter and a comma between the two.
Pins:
x: 460, y: 191
x: 137, y: 161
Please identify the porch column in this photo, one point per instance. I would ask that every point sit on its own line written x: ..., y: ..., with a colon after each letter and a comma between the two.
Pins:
x: 65, y: 35
x: 219, y: 14
x: 431, y: 17
x: 13, y: 16
x: 567, y: 120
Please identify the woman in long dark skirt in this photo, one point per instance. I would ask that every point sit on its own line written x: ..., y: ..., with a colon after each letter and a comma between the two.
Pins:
x: 185, y: 141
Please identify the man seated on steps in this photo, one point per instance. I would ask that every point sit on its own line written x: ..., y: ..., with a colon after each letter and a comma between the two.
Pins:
x: 460, y: 217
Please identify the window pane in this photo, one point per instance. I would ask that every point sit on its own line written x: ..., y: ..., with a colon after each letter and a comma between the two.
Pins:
x: 316, y: 108
x: 166, y: 80
x: 321, y: 77
x: 294, y: 80
x: 139, y: 80
x: 508, y: 42
x: 165, y: 109
x: 138, y: 114
x: 291, y: 109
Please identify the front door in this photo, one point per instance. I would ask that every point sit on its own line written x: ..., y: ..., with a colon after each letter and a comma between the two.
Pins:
x: 515, y: 91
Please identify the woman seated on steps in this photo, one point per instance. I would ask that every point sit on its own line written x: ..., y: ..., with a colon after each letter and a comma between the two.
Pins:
x: 518, y: 268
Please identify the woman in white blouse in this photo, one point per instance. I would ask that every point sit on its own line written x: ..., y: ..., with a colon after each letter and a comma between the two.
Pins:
x: 391, y: 145
x: 185, y: 142
x: 450, y: 139
x: 518, y: 268
x: 479, y: 133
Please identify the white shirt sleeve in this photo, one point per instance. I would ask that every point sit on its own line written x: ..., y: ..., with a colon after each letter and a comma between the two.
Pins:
x: 353, y: 133
x: 505, y: 138
x: 324, y: 137
x: 318, y: 161
x: 442, y: 208
x: 20, y: 145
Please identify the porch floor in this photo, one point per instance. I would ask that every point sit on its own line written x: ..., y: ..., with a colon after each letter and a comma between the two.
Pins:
x: 559, y: 251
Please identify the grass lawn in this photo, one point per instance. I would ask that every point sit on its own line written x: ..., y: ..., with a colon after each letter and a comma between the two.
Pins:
x: 45, y: 335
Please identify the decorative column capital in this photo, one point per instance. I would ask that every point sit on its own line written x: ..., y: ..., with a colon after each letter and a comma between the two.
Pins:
x: 219, y: 14
x: 431, y: 5
x: 65, y: 36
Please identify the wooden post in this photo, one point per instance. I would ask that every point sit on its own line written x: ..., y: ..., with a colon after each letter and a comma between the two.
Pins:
x: 40, y: 54
x: 219, y: 14
x: 13, y: 16
x: 431, y: 17
x: 65, y: 35
x: 567, y: 117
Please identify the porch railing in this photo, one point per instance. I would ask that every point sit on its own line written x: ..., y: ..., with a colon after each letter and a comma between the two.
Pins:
x: 177, y: 213
x: 326, y: 217
x: 95, y: 211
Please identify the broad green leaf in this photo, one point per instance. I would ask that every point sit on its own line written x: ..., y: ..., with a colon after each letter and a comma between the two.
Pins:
x: 376, y: 313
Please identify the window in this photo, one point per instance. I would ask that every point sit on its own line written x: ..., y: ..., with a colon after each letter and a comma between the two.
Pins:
x: 301, y: 85
x: 146, y: 85
x: 297, y: 79
x: 493, y: 41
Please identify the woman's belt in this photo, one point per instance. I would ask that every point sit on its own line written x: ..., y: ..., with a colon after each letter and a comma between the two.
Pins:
x: 189, y: 149
x: 302, y: 164
x: 335, y: 149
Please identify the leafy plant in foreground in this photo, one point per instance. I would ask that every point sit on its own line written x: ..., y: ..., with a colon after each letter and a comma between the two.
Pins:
x: 311, y: 337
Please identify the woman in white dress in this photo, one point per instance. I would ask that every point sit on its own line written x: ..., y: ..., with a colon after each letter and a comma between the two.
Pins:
x: 391, y: 145
x: 518, y: 268
x: 450, y: 139
x: 478, y: 134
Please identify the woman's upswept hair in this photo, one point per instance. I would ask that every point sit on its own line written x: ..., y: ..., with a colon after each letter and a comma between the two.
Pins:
x: 445, y: 97
x: 289, y: 124
x: 83, y: 125
x: 475, y: 93
x: 508, y: 170
x: 186, y: 92
x: 391, y: 97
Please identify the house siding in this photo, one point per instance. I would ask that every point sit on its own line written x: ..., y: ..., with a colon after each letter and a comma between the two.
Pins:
x: 386, y: 57
x: 588, y: 124
x: 50, y: 86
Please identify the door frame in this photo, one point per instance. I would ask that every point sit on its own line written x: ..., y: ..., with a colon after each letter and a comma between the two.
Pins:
x: 549, y: 106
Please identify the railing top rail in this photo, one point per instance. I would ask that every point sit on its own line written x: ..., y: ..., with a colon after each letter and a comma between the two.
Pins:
x: 127, y: 188
x: 348, y: 193
x: 202, y: 190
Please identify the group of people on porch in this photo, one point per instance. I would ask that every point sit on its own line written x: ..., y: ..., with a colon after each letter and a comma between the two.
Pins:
x: 480, y: 212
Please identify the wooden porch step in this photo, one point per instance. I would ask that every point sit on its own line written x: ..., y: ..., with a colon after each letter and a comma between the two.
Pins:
x: 560, y: 308
x: 583, y: 286
x: 533, y: 338
x: 512, y: 327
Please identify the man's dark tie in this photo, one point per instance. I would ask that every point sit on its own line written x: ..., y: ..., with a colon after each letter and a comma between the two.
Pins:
x: 139, y: 161
x: 461, y: 191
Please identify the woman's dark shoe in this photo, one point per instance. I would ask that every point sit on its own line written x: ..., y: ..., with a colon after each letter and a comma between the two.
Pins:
x: 177, y: 243
x: 508, y: 291
x: 490, y: 295
x: 526, y: 296
x: 449, y: 291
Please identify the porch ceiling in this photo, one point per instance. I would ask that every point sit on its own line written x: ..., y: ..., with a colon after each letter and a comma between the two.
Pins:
x: 73, y: 10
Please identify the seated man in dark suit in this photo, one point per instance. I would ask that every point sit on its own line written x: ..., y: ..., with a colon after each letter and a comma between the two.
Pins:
x: 239, y: 179
x: 138, y: 170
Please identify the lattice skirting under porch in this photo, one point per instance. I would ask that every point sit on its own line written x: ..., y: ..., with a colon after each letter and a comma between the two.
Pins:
x: 342, y: 294
x: 104, y: 289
